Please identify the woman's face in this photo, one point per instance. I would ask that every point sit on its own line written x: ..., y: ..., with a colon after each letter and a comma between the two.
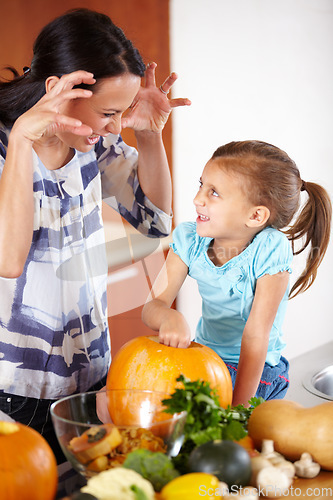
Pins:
x: 102, y: 111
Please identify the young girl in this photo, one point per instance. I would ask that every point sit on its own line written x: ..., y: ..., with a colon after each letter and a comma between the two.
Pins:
x: 249, y: 191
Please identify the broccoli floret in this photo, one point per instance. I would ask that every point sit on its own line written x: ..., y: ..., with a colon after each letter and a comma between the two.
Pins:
x: 156, y: 467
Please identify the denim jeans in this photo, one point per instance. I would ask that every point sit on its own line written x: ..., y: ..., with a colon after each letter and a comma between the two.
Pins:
x: 274, y: 381
x: 36, y: 414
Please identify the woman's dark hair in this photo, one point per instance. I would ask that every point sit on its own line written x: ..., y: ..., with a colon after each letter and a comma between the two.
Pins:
x: 81, y: 39
x: 271, y: 178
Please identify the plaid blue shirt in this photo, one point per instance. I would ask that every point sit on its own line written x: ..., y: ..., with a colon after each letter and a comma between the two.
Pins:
x: 54, y: 337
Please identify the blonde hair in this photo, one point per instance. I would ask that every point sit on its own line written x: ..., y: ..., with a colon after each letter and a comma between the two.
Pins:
x: 272, y: 179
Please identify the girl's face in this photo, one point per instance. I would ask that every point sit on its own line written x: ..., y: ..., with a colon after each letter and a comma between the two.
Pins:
x: 102, y: 111
x: 222, y: 207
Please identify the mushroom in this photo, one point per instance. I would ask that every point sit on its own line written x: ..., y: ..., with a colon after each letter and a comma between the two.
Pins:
x: 272, y: 474
x: 267, y: 450
x: 287, y: 467
x: 306, y: 467
x: 273, y: 482
x: 258, y: 463
x: 276, y: 459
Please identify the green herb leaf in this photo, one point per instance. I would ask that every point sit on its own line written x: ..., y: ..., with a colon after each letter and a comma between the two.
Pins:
x: 234, y: 431
x: 254, y: 402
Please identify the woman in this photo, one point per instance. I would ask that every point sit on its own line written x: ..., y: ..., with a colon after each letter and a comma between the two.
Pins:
x: 60, y: 154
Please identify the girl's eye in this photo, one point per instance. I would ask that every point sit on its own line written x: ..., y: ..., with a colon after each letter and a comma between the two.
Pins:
x: 108, y: 115
x: 200, y: 184
x: 214, y: 193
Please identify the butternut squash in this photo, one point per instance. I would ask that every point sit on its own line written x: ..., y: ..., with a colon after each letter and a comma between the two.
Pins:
x: 295, y: 429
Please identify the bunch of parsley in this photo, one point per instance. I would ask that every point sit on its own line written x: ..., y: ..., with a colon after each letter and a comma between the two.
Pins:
x: 206, y: 420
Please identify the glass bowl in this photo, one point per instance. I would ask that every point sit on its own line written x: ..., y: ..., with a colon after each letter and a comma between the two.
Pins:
x: 96, y: 430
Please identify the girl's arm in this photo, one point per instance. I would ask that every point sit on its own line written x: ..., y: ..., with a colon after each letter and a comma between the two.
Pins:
x: 157, y: 313
x: 270, y: 290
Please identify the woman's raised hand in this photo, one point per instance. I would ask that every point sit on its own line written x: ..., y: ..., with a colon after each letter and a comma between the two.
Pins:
x: 45, y: 118
x: 151, y: 107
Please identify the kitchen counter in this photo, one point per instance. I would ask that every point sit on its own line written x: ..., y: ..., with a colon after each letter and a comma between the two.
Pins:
x: 303, y: 367
x: 320, y: 487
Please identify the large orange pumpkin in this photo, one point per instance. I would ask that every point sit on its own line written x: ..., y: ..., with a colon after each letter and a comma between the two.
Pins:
x: 28, y: 468
x: 143, y: 363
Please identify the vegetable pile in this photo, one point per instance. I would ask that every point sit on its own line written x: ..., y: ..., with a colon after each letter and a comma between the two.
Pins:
x: 206, y: 420
x: 220, y: 449
x: 209, y: 445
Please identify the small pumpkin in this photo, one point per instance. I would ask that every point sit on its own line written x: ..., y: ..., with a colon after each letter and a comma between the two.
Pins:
x: 143, y: 363
x: 295, y: 429
x: 28, y: 468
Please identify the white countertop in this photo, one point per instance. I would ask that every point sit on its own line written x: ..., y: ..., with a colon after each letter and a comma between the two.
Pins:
x: 304, y: 366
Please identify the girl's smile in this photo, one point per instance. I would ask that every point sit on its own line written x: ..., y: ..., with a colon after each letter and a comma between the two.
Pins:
x: 202, y: 218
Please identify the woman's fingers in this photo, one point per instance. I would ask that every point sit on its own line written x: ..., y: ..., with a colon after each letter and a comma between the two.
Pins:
x: 69, y: 81
x: 50, y: 106
x: 151, y: 81
x: 150, y: 74
x: 64, y: 122
x: 180, y: 101
x: 67, y: 95
x: 168, y: 82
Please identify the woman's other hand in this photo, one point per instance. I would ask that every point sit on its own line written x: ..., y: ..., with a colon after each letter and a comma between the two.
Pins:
x: 151, y: 107
x: 45, y: 117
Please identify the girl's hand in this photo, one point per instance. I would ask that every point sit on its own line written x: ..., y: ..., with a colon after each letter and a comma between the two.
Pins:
x: 102, y: 406
x: 45, y: 117
x: 151, y: 107
x: 174, y: 330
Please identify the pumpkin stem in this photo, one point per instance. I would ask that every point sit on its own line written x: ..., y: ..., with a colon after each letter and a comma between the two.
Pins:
x: 8, y: 428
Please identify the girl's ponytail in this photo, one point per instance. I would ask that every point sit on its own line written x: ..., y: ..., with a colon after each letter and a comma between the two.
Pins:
x: 313, y: 225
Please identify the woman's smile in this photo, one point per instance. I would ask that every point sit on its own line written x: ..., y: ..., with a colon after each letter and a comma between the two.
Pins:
x: 93, y: 139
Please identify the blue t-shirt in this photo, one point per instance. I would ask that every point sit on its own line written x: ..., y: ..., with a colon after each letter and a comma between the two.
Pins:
x: 227, y: 292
